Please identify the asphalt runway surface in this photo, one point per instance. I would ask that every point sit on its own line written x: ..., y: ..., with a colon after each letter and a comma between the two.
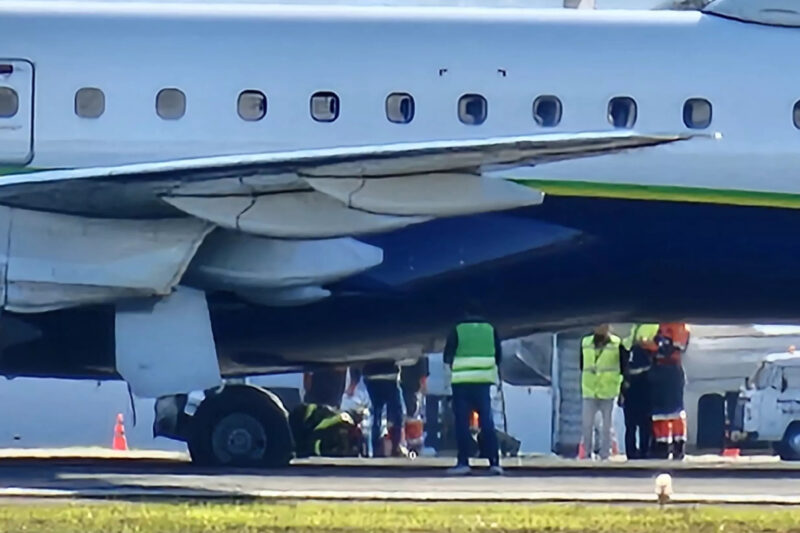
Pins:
x: 424, y: 480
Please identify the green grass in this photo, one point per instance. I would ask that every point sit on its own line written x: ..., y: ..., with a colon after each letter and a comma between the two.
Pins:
x: 310, y: 517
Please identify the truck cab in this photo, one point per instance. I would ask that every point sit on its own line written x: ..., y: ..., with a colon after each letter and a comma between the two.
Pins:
x: 768, y: 408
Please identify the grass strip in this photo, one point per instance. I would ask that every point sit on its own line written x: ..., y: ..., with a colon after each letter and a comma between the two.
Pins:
x: 307, y: 517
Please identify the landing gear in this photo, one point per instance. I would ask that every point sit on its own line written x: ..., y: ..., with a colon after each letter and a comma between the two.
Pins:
x: 241, y: 426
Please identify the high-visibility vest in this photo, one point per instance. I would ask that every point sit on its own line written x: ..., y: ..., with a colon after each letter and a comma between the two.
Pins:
x: 640, y: 332
x: 601, y: 376
x: 474, y: 360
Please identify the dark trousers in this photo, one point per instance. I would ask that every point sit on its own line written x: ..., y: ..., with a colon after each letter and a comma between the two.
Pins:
x: 468, y: 397
x: 385, y: 393
x: 411, y: 400
x: 638, y: 422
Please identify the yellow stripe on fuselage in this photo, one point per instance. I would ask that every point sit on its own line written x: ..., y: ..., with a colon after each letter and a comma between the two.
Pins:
x: 590, y: 189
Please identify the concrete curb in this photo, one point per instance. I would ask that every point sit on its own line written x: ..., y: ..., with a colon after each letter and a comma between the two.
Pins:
x: 395, y: 496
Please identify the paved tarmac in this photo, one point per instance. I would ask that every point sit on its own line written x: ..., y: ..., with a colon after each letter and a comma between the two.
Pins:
x: 126, y: 476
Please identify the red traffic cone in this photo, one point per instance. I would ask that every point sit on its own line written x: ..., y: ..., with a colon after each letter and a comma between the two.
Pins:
x: 581, y: 451
x: 119, y: 442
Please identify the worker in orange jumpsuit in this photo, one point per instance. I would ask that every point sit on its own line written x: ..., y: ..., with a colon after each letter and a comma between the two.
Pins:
x: 668, y: 380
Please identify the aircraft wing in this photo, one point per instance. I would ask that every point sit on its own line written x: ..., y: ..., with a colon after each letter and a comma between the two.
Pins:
x: 275, y: 228
x: 318, y: 193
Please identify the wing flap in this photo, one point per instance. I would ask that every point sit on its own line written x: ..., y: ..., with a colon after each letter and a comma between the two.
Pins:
x: 431, y: 195
x: 291, y: 215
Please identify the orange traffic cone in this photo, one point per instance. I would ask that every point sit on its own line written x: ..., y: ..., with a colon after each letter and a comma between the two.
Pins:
x: 119, y: 442
x: 730, y: 452
x: 581, y: 451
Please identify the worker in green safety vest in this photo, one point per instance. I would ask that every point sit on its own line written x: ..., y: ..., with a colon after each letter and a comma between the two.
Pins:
x: 473, y: 352
x: 603, y: 361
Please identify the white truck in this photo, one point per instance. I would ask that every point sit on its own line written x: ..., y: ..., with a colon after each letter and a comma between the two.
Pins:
x: 768, y: 408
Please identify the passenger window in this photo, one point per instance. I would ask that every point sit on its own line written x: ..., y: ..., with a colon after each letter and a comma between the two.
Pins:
x: 472, y: 109
x: 622, y: 112
x: 547, y: 111
x: 90, y: 102
x: 324, y: 106
x: 9, y: 102
x: 252, y: 105
x: 697, y: 113
x: 170, y: 104
x: 796, y: 113
x: 400, y: 108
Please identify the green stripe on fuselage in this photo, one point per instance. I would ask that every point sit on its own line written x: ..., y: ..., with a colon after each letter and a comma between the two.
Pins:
x: 7, y: 171
x: 589, y: 189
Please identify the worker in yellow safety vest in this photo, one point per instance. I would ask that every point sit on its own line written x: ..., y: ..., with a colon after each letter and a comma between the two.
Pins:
x: 603, y: 358
x: 474, y: 353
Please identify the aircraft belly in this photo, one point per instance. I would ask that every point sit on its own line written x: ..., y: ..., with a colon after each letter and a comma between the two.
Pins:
x: 54, y: 261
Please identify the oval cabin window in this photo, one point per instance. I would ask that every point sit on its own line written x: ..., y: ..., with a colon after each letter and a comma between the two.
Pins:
x: 324, y: 106
x: 472, y: 109
x: 400, y: 108
x: 252, y: 105
x: 547, y: 111
x: 171, y: 104
x: 90, y: 103
x: 697, y: 113
x: 796, y: 114
x: 622, y: 112
x: 9, y: 102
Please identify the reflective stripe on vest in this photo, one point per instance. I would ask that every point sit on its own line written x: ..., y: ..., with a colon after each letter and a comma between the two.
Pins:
x: 325, y: 423
x: 601, y: 377
x: 474, y: 360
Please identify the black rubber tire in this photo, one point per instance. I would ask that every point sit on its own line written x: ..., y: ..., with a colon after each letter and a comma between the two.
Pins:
x: 785, y: 448
x: 256, y: 405
x: 711, y: 422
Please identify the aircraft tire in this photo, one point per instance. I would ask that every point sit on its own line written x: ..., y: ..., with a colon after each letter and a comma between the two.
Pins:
x: 242, y: 426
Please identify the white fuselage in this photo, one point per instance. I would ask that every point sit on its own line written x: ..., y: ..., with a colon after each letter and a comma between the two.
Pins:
x: 362, y: 54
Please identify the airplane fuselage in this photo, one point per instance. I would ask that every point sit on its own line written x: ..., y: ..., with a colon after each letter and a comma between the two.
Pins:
x: 214, y: 53
x: 702, y: 230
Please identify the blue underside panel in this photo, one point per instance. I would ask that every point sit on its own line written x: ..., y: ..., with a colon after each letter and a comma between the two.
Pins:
x: 453, y: 245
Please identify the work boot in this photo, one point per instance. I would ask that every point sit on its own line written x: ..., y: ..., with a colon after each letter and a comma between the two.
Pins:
x: 660, y: 450
x: 459, y: 470
x: 496, y: 470
x: 678, y: 452
x: 400, y: 451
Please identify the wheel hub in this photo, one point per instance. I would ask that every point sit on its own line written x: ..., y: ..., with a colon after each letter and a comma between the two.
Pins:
x: 239, y: 438
x: 239, y: 441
